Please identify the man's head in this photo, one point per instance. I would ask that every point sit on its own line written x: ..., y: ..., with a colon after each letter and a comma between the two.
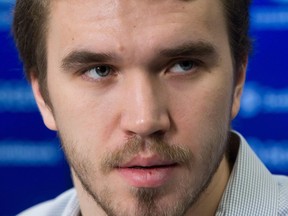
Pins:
x: 142, y: 94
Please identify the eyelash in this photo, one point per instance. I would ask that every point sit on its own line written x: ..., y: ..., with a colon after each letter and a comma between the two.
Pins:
x: 85, y: 71
x: 196, y: 63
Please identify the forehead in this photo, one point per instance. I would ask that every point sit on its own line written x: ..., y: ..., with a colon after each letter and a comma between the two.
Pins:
x: 133, y: 10
x: 109, y: 8
x: 121, y: 23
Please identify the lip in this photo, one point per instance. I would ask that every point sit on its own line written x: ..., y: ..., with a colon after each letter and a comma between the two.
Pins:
x: 147, y: 172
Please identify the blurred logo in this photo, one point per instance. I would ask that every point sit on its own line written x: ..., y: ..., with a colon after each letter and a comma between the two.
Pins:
x: 269, y: 17
x: 30, y: 153
x: 6, y: 11
x: 273, y: 153
x: 258, y: 100
x: 16, y: 96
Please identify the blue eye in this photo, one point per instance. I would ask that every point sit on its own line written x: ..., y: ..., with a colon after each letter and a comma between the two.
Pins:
x: 183, y: 66
x: 99, y: 72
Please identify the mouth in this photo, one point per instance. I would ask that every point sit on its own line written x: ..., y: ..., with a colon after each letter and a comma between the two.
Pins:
x: 151, y: 167
x: 149, y: 172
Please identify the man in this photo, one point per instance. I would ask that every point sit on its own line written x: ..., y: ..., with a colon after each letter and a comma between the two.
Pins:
x: 142, y: 95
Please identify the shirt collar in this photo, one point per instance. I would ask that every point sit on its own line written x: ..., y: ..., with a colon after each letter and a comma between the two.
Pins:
x: 251, y: 189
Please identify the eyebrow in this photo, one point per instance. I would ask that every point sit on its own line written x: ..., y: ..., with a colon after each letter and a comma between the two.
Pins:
x: 199, y: 48
x: 76, y: 59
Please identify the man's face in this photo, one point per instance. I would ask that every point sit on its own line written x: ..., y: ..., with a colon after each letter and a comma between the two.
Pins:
x: 142, y: 95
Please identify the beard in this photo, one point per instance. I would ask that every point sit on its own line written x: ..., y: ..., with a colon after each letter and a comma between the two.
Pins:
x: 149, y: 201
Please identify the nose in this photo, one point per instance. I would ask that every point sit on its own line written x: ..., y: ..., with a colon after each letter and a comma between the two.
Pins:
x: 145, y: 109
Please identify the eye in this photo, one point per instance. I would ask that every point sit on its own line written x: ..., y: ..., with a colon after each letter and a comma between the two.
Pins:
x: 98, y: 72
x: 183, y: 66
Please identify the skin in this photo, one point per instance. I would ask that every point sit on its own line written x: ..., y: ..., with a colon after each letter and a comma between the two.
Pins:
x: 184, y: 101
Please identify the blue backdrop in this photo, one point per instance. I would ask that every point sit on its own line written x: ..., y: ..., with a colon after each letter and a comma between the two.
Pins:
x: 32, y: 165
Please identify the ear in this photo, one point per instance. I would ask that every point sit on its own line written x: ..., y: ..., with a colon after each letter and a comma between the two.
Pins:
x: 238, y: 88
x: 45, y: 110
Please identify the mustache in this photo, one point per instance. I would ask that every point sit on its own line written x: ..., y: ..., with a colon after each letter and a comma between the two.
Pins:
x: 135, y: 145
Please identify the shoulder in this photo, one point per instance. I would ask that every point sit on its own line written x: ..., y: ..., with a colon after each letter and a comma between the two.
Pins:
x: 64, y: 204
x: 282, y: 183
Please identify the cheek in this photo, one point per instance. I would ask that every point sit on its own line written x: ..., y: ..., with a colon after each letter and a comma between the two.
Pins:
x: 82, y: 116
x: 84, y: 132
x: 201, y: 113
x: 86, y: 118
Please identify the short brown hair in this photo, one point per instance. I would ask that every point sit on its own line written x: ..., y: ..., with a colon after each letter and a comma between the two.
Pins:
x: 30, y: 28
x: 238, y: 25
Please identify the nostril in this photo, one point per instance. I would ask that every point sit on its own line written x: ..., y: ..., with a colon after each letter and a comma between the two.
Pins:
x: 159, y: 133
